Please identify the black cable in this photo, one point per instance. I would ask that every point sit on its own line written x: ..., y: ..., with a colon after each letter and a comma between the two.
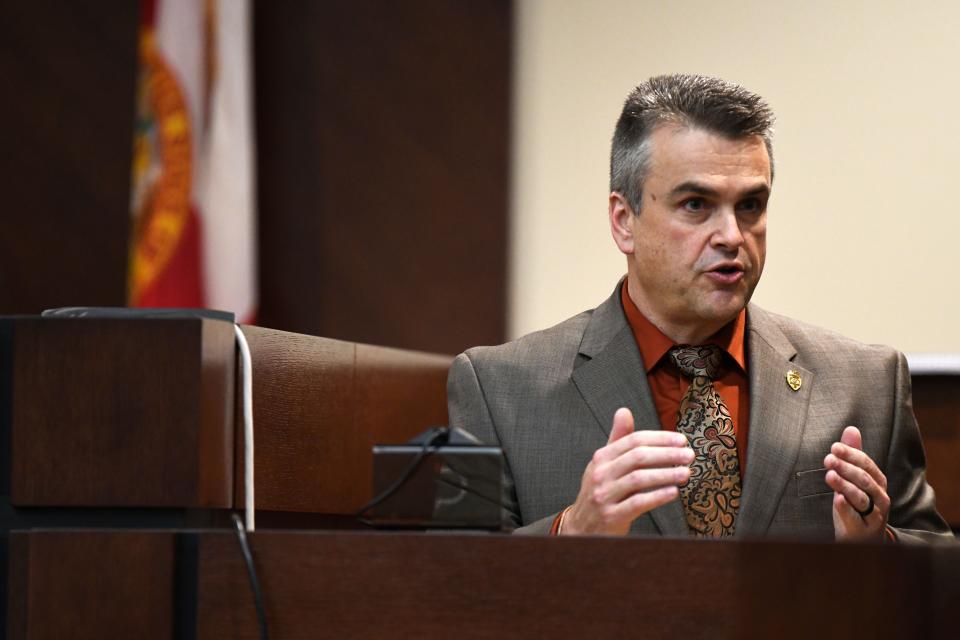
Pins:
x: 252, y: 573
x: 440, y: 434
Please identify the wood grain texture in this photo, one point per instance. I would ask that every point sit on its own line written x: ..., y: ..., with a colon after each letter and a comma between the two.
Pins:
x: 319, y: 407
x: 93, y: 584
x: 382, y: 158
x: 68, y: 77
x: 936, y: 402
x: 216, y: 432
x: 131, y: 413
x: 323, y: 585
x: 383, y: 154
x: 18, y: 566
x: 407, y: 586
x: 384, y: 585
x: 837, y: 591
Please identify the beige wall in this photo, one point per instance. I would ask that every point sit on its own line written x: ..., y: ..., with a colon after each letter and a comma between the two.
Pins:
x: 863, y: 225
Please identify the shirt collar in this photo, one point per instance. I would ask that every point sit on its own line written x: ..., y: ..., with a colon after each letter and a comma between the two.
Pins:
x: 654, y: 345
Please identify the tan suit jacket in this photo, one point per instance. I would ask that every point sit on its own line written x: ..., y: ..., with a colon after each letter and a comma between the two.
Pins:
x: 548, y: 399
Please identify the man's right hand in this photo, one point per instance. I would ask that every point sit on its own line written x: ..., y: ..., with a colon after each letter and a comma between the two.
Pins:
x: 635, y: 472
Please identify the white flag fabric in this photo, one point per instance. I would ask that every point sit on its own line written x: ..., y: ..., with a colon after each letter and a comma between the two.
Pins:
x: 194, y: 198
x: 228, y: 197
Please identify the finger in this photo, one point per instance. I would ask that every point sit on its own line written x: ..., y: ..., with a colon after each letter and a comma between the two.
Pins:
x: 863, y: 481
x: 856, y: 497
x: 647, y: 457
x: 852, y: 473
x: 622, y: 425
x: 640, y: 480
x: 850, y: 448
x: 860, y: 459
x: 640, y: 503
x: 642, y: 438
x: 852, y: 521
x: 852, y: 438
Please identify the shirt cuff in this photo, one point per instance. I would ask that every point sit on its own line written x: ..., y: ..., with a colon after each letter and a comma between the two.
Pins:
x: 558, y: 522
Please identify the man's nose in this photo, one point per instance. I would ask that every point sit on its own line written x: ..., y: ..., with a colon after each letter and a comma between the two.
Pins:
x: 727, y: 233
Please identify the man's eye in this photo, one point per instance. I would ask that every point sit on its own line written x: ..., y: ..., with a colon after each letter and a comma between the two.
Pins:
x: 752, y: 205
x: 695, y: 205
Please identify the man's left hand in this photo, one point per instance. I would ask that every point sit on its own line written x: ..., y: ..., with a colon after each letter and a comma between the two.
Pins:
x: 860, y: 500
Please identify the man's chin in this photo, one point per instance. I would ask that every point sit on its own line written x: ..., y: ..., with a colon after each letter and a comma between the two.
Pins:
x: 724, y: 308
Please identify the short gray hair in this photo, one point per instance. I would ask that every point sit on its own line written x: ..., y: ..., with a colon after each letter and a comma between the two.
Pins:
x: 693, y: 101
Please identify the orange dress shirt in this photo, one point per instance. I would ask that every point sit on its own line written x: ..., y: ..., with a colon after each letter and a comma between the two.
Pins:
x: 667, y: 384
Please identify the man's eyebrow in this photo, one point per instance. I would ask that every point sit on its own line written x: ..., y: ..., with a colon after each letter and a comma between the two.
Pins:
x: 703, y: 190
x: 692, y: 187
x: 759, y: 190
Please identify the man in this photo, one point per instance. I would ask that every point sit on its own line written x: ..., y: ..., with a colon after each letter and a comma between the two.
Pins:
x: 675, y: 407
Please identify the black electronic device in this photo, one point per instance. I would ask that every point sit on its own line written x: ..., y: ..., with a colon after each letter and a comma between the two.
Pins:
x: 442, y: 478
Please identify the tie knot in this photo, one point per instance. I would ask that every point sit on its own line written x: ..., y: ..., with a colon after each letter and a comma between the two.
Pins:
x: 703, y: 360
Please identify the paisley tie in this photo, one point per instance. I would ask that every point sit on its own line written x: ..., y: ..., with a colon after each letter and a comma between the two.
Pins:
x: 711, y: 496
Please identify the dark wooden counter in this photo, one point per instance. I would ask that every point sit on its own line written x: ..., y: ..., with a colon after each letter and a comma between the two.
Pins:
x: 366, y: 585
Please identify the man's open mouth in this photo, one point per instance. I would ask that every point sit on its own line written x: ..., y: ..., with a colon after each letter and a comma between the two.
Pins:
x: 727, y: 270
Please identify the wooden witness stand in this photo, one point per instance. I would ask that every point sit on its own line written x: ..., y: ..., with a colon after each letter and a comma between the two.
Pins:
x: 324, y: 584
x: 122, y: 460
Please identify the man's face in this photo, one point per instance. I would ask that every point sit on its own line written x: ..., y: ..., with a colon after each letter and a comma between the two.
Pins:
x: 696, y: 250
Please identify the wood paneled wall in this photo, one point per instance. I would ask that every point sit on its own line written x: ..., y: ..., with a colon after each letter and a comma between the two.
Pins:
x: 382, y: 131
x: 67, y: 81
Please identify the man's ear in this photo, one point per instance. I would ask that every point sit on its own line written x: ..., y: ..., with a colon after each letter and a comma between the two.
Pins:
x: 621, y: 222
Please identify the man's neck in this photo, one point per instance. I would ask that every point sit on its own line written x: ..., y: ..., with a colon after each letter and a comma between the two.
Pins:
x: 687, y: 334
x: 680, y: 332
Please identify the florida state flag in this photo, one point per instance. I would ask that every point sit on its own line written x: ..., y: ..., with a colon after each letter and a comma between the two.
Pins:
x: 192, y: 242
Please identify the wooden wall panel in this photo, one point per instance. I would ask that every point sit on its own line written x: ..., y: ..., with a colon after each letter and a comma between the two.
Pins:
x: 383, y: 159
x: 936, y: 402
x: 67, y: 77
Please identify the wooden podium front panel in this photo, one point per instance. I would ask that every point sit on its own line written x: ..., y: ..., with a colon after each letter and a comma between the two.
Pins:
x: 91, y: 584
x: 829, y: 590
x: 122, y: 412
x: 936, y: 402
x: 325, y: 585
x: 319, y: 407
x: 144, y: 584
x: 366, y: 585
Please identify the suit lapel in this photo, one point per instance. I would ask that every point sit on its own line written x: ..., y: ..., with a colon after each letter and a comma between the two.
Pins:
x: 777, y: 419
x: 611, y: 375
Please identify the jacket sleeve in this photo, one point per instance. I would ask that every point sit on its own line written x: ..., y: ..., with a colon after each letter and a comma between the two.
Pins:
x: 468, y: 409
x: 913, y: 515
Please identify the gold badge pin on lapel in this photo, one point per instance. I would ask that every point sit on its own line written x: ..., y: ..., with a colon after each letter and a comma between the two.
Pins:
x: 794, y: 380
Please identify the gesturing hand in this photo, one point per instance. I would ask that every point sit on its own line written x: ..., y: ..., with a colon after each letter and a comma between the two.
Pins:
x: 635, y: 472
x: 860, y: 500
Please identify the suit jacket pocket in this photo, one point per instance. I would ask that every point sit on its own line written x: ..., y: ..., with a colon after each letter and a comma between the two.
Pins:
x: 812, y: 483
